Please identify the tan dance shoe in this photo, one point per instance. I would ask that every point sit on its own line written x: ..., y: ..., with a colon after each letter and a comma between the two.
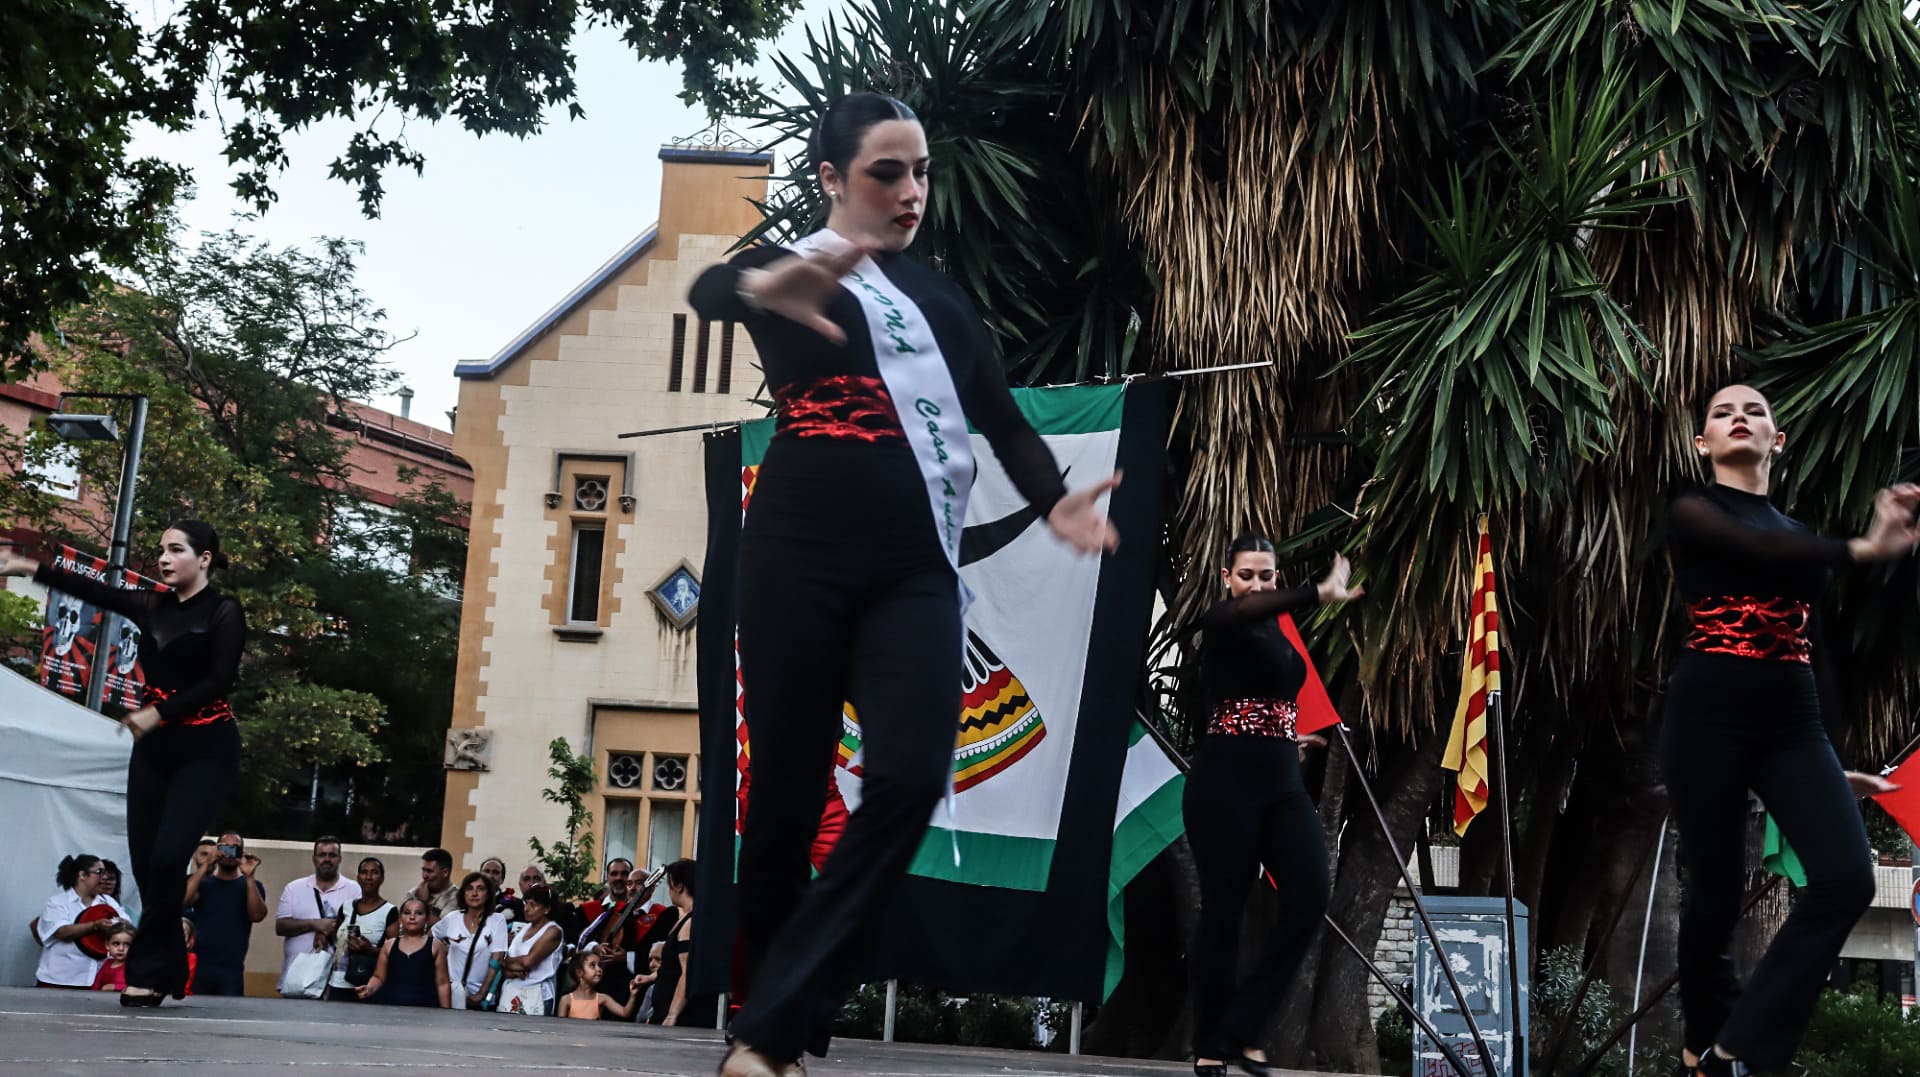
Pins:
x: 744, y: 1061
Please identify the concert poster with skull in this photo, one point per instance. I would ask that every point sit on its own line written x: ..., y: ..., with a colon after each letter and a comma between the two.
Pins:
x: 72, y: 633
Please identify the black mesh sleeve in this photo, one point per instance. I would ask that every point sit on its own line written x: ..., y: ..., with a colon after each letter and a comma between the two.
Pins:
x: 1707, y: 527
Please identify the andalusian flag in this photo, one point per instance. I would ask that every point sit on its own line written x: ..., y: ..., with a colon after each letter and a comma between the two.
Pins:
x: 1147, y: 819
x: 1467, y: 742
x: 1057, y: 802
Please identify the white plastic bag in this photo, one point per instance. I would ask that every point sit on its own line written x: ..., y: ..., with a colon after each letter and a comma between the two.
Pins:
x: 306, y: 975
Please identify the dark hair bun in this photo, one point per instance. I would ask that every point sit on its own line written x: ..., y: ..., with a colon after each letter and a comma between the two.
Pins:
x: 201, y: 538
x: 836, y: 139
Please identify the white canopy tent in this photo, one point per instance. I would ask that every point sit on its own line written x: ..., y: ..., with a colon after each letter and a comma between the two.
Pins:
x: 63, y: 790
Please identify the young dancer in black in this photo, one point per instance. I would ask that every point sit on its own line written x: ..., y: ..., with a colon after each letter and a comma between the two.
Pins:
x: 1743, y: 712
x: 848, y: 584
x: 1246, y: 807
x: 186, y: 744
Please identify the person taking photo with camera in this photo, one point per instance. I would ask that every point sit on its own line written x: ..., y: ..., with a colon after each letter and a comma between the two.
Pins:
x: 224, y: 900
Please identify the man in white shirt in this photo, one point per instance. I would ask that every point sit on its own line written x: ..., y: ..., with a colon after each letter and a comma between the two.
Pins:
x: 309, y: 906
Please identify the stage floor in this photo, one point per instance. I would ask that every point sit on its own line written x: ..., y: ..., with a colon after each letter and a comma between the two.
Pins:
x: 69, y: 1032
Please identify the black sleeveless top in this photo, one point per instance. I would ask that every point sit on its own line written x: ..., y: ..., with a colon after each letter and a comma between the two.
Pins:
x: 411, y: 977
x: 699, y: 1010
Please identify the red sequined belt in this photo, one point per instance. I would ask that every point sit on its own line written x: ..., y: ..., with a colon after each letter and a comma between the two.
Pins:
x: 1774, y: 629
x: 216, y: 711
x: 845, y: 406
x: 1254, y: 718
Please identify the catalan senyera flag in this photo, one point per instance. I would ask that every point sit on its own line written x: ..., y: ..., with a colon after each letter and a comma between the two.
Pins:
x: 1467, y: 742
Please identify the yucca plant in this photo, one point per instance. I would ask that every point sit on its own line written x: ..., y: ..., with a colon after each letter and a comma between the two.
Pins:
x: 1012, y: 213
x: 1496, y: 254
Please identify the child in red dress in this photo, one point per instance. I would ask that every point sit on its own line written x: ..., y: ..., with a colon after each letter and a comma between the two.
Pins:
x: 113, y: 971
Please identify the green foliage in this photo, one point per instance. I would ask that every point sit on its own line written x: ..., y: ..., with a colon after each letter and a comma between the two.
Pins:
x: 924, y: 1015
x: 20, y: 621
x: 1393, y: 1031
x: 569, y: 863
x: 291, y: 729
x: 72, y: 88
x: 1015, y: 211
x: 248, y: 356
x: 1858, y: 1035
x: 79, y: 76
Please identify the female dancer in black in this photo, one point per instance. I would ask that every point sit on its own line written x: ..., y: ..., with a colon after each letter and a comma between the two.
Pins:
x: 848, y: 584
x: 1245, y: 805
x: 186, y: 743
x: 1743, y: 712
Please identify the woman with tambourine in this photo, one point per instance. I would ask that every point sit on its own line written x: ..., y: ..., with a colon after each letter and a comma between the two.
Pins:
x: 74, y: 927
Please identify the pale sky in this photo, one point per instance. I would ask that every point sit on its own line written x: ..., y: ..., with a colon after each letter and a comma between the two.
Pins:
x: 497, y: 230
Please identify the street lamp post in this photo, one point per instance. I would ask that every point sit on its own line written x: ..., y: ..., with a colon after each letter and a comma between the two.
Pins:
x: 83, y: 427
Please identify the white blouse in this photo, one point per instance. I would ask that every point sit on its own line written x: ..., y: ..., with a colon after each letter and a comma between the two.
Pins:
x: 64, y: 962
x: 491, y: 939
x: 546, y: 972
x: 373, y: 928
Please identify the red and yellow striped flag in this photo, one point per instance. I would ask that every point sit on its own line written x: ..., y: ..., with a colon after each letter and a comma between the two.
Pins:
x: 1467, y: 742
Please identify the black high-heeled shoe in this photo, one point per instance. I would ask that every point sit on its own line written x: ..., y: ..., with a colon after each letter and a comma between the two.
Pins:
x: 141, y: 1002
x: 1712, y: 1065
x: 1253, y: 1067
x: 1209, y: 1069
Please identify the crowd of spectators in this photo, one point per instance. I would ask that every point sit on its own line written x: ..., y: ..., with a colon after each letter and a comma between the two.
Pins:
x: 480, y: 944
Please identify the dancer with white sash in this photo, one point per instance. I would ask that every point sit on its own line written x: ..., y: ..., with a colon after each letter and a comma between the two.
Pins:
x: 849, y: 588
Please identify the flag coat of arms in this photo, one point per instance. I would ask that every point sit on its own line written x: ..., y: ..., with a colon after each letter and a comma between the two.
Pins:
x: 1019, y: 861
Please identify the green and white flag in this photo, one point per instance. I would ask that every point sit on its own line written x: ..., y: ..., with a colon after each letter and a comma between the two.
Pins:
x: 1147, y: 820
x: 1018, y: 862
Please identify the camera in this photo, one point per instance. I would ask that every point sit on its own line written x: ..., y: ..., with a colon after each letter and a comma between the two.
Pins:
x: 227, y: 850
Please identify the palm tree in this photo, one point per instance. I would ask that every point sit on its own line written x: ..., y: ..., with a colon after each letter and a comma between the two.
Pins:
x: 1498, y: 253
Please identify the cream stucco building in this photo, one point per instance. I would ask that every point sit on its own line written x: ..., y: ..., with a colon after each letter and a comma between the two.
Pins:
x: 585, y: 547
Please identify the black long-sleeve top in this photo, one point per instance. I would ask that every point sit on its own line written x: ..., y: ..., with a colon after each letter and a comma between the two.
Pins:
x: 1730, y: 542
x: 1243, y: 654
x: 190, y: 650
x: 795, y: 358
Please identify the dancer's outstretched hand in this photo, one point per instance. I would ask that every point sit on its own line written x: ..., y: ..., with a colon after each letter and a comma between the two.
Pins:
x: 141, y: 721
x: 1334, y: 588
x: 12, y: 564
x: 1309, y: 740
x: 1078, y: 520
x: 1869, y: 785
x: 799, y: 288
x: 1894, y: 531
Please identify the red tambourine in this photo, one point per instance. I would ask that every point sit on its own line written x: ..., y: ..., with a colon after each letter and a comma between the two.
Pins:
x: 95, y: 946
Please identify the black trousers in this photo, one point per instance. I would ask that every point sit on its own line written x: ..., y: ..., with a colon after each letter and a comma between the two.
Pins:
x: 1246, y: 808
x: 820, y: 626
x: 219, y: 979
x: 177, y: 779
x: 1735, y: 724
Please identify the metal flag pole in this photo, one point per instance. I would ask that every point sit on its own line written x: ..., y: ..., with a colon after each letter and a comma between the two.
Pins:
x: 1599, y: 1054
x: 1453, y: 1058
x: 1564, y: 1028
x: 1646, y: 930
x: 1495, y: 704
x: 1419, y: 906
x: 1127, y: 379
x: 1593, y: 1059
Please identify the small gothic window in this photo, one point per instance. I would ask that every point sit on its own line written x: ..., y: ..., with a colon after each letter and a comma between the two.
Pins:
x: 590, y: 494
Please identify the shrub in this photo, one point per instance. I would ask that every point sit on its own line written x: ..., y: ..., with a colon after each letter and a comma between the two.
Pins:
x: 1858, y: 1035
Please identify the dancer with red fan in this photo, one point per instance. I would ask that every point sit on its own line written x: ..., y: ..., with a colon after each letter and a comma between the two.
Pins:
x: 1743, y: 712
x: 1246, y: 806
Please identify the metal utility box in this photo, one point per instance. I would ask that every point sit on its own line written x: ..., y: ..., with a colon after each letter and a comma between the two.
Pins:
x: 1473, y: 932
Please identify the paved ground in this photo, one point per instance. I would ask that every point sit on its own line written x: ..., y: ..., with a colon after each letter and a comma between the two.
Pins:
x: 68, y: 1032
